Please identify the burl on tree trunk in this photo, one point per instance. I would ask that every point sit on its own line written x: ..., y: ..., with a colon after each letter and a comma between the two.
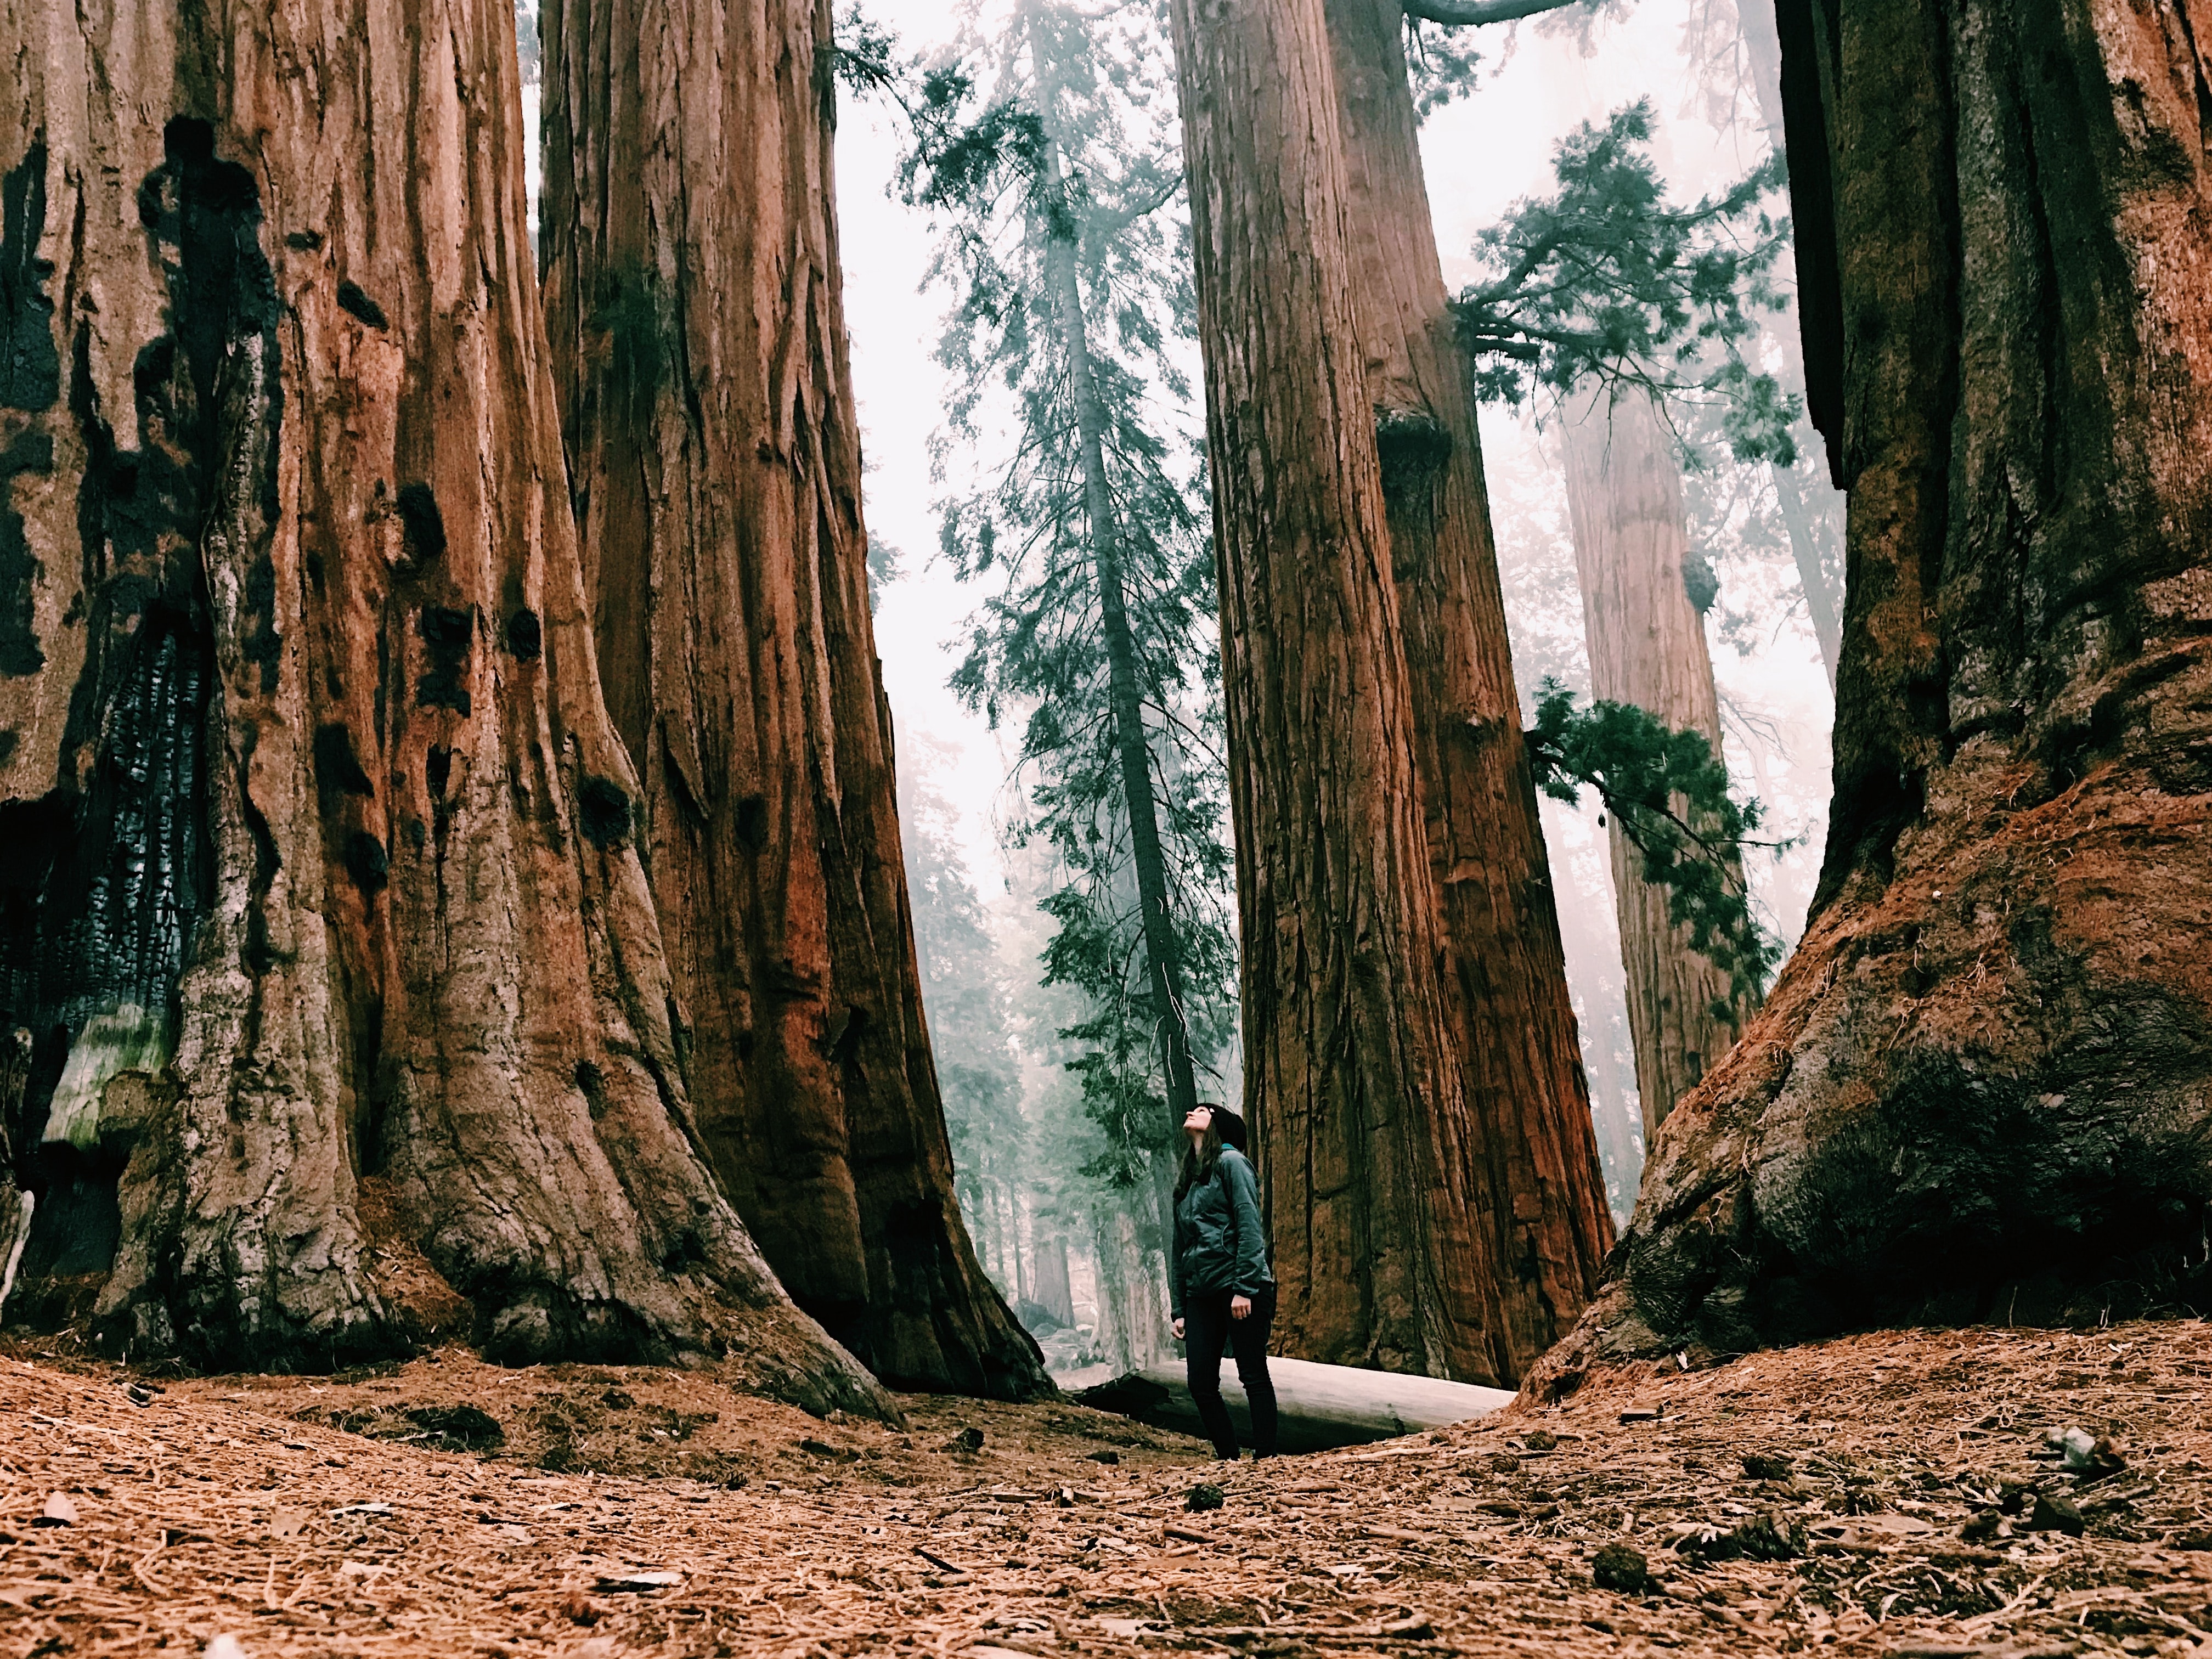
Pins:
x: 694, y: 296
x: 1982, y: 1087
x: 1351, y: 1073
x: 1528, y: 1106
x: 1647, y: 647
x: 323, y: 908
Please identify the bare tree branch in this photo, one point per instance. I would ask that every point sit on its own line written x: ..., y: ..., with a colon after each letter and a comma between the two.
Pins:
x: 1473, y: 14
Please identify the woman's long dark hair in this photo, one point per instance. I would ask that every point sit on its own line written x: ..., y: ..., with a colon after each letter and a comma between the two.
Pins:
x: 1198, y: 1161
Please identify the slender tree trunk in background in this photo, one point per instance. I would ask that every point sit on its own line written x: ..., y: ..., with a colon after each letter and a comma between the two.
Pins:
x: 1383, y: 1248
x: 1528, y: 1103
x: 1133, y: 748
x: 1616, y: 1122
x: 1114, y: 1330
x: 1054, y: 1294
x: 1819, y: 603
x: 1590, y: 934
x: 1647, y: 647
x: 349, y: 1007
x: 1009, y: 1272
x: 1151, y: 1234
x: 694, y: 298
x: 1000, y: 1201
x: 1985, y: 1081
x: 1763, y: 48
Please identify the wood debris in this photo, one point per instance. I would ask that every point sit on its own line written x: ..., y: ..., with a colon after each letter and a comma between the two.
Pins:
x: 1810, y: 1500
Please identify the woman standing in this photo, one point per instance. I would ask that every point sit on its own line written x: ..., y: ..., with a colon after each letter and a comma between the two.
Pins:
x: 1219, y: 1286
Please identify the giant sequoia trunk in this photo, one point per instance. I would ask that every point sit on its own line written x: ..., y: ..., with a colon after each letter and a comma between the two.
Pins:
x: 1374, y: 1197
x: 1527, y: 1104
x: 1984, y: 1084
x: 1647, y: 647
x: 322, y: 905
x: 694, y: 298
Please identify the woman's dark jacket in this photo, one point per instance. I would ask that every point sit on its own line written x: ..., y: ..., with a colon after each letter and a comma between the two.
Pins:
x: 1219, y: 1244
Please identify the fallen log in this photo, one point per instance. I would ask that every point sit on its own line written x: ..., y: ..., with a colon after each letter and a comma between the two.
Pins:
x: 1319, y: 1406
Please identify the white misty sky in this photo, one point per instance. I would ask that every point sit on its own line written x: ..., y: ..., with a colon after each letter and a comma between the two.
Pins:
x: 1480, y: 155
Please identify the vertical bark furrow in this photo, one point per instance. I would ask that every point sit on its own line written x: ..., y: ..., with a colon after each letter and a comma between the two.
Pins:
x: 1806, y: 42
x: 1899, y: 280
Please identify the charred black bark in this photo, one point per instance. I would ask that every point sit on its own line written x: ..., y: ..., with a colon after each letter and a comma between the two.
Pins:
x: 101, y: 917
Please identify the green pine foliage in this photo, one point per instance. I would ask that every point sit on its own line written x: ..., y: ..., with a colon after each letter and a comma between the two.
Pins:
x: 1605, y: 280
x: 885, y: 566
x: 1442, y: 64
x: 1736, y: 514
x: 1670, y: 792
x: 1085, y: 80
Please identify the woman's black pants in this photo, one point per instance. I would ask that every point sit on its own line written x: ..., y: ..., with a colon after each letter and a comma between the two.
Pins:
x: 1207, y: 1328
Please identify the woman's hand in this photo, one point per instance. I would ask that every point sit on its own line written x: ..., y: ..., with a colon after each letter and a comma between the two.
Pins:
x: 1176, y: 1327
x: 1240, y: 1307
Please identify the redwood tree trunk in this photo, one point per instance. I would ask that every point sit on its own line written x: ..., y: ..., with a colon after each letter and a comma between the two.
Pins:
x: 1647, y: 647
x: 1528, y: 1103
x: 1383, y: 1248
x: 323, y: 904
x: 1983, y: 1085
x: 694, y: 298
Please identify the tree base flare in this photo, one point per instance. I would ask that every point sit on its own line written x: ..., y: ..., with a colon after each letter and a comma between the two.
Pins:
x: 1981, y: 1092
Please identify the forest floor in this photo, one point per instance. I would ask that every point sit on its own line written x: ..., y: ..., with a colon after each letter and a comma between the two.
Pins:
x: 1848, y: 1498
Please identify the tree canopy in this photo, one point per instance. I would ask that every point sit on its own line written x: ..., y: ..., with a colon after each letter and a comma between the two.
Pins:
x: 1605, y: 280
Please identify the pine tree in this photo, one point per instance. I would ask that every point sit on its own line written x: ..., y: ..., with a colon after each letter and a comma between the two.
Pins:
x: 1071, y: 325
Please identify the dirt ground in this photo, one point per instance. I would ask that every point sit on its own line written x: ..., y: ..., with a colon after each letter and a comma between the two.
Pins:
x: 1888, y: 1494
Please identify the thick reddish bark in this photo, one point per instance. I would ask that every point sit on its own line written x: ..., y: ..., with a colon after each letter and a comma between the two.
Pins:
x: 1983, y: 1084
x: 1647, y: 647
x: 327, y: 914
x: 1375, y: 1202
x: 695, y: 296
x: 1527, y: 1104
